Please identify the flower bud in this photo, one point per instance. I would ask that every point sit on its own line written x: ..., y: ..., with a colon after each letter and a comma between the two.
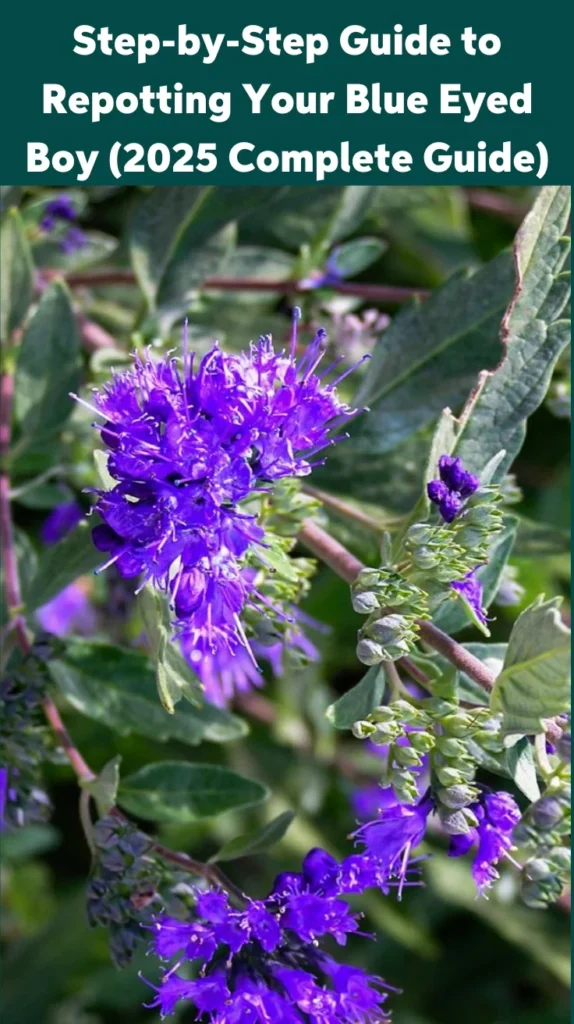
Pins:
x: 470, y: 816
x: 389, y: 629
x: 454, y: 822
x: 424, y: 558
x: 365, y: 602
x: 386, y: 732
x: 523, y: 835
x: 419, y: 533
x: 449, y: 776
x: 538, y: 894
x: 369, y: 653
x: 546, y: 813
x: 537, y: 869
x: 362, y: 730
x: 384, y: 713
x: 407, y: 712
x: 450, y: 747
x: 457, y: 724
x: 422, y: 741
x: 560, y: 858
x: 405, y: 756
x: 457, y: 797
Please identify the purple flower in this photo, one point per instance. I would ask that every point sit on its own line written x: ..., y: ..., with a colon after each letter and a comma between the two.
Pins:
x: 498, y: 814
x: 60, y: 521
x: 390, y: 838
x: 59, y: 209
x: 71, y: 611
x: 3, y: 794
x: 455, y: 485
x: 470, y: 590
x: 187, y: 447
x: 263, y: 962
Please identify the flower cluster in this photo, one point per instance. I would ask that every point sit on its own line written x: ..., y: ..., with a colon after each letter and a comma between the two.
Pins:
x: 454, y: 486
x: 399, y: 829
x: 264, y: 961
x: 189, y: 448
x: 58, y: 212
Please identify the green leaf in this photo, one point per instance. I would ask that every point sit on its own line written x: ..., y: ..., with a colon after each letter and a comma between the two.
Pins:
x: 61, y: 564
x: 153, y: 230
x: 118, y: 688
x: 451, y: 617
x: 534, y: 334
x: 175, y: 679
x: 29, y: 841
x: 47, y: 369
x: 352, y: 257
x: 16, y: 274
x: 357, y: 703
x: 317, y: 217
x: 96, y: 247
x: 180, y: 792
x: 255, y: 842
x: 177, y: 240
x: 104, y: 789
x: 535, y: 681
x: 106, y: 479
x: 522, y: 768
x: 430, y: 355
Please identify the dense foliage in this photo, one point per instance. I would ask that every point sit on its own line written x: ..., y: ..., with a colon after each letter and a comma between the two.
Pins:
x: 285, y: 678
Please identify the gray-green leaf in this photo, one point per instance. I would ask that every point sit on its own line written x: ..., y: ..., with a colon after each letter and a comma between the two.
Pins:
x: 175, y: 679
x: 358, y: 702
x: 61, y: 564
x: 533, y: 333
x: 47, y: 369
x: 535, y: 681
x: 118, y: 688
x: 255, y: 842
x: 16, y: 274
x: 180, y: 792
x: 522, y: 768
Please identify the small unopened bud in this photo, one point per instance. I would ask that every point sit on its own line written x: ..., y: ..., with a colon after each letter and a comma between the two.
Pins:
x: 365, y: 602
x: 457, y: 724
x: 369, y: 653
x: 470, y: 816
x: 457, y: 797
x: 449, y: 776
x: 385, y: 732
x: 388, y: 630
x: 560, y: 858
x: 533, y: 896
x: 419, y: 533
x: 424, y: 558
x: 362, y: 730
x: 450, y: 747
x: 523, y: 835
x: 537, y: 869
x: 407, y: 712
x: 405, y: 756
x: 454, y: 822
x: 422, y: 741
x: 546, y: 813
x: 384, y: 713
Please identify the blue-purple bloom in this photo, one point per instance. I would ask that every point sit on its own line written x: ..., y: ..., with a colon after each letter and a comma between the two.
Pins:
x: 60, y: 521
x: 70, y: 611
x: 391, y: 838
x: 393, y: 835
x: 264, y: 963
x: 454, y: 486
x: 62, y: 211
x: 187, y: 448
x: 470, y: 589
x: 498, y: 814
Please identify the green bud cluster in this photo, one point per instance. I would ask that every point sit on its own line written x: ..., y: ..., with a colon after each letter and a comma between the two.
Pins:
x: 440, y: 728
x: 393, y: 605
x: 542, y: 836
x: 441, y: 552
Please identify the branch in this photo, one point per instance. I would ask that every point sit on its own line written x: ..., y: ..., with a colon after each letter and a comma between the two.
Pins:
x: 392, y: 294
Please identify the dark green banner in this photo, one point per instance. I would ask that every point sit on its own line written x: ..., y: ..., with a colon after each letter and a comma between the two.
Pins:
x: 306, y: 93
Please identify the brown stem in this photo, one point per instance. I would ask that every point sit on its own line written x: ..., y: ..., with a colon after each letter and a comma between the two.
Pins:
x: 392, y: 294
x: 497, y: 203
x: 93, y: 336
x: 211, y: 872
x: 456, y: 654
